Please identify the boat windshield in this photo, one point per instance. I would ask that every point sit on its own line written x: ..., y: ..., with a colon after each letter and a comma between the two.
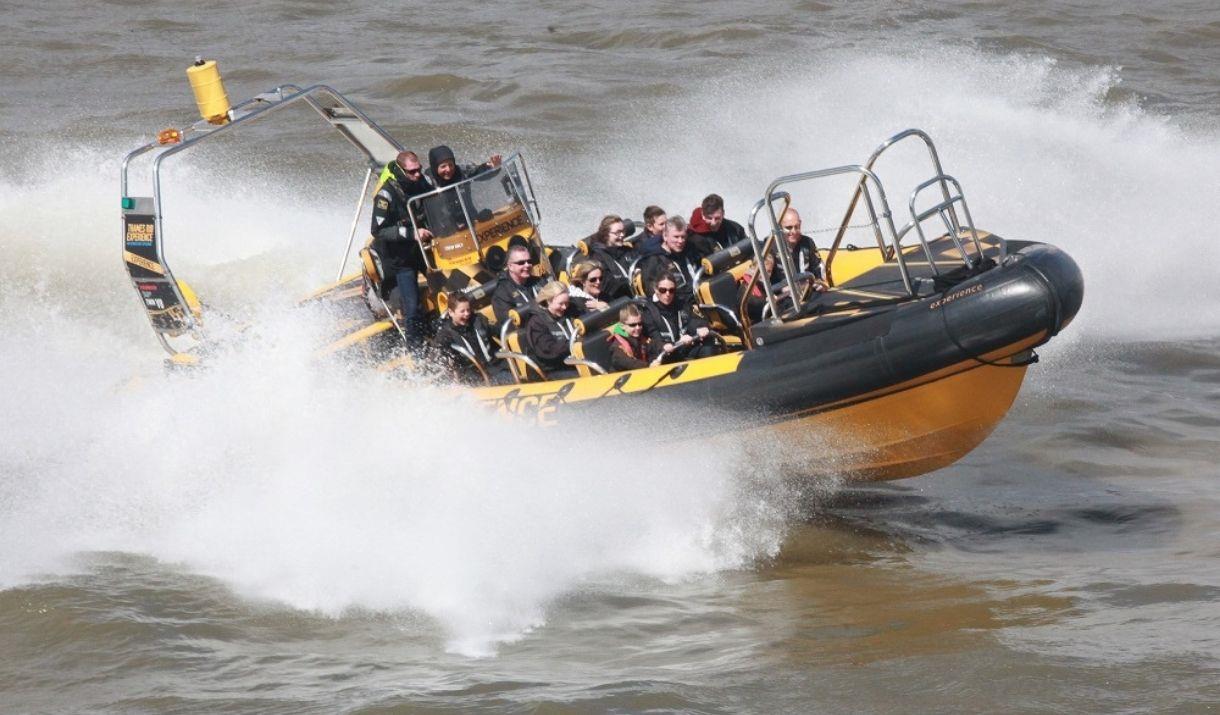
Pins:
x: 497, y: 203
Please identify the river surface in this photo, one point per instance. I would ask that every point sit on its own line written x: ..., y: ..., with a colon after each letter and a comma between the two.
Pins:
x: 275, y: 536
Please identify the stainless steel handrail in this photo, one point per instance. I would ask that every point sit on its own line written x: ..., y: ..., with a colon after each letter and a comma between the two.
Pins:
x: 946, y: 209
x: 866, y: 177
x: 760, y: 249
x: 860, y: 187
x: 351, y: 234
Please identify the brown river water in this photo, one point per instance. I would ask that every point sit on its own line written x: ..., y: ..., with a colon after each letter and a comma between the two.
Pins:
x: 276, y: 536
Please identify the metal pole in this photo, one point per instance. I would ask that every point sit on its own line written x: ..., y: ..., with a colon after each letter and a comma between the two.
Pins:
x: 351, y: 236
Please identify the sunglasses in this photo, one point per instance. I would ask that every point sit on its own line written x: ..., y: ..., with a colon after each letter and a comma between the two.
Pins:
x: 633, y: 325
x: 793, y: 227
x: 519, y: 263
x: 664, y: 291
x: 593, y: 279
x: 413, y: 172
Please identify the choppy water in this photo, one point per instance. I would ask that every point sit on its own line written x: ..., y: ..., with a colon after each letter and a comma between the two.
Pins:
x: 275, y: 536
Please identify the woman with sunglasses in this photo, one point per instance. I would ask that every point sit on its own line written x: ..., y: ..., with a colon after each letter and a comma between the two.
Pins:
x: 628, y: 348
x: 673, y: 332
x: 586, y: 287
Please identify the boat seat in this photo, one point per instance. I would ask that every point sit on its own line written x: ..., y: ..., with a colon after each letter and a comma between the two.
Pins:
x: 591, y: 353
x: 719, y: 298
x: 522, y: 366
x: 591, y: 322
x: 560, y: 259
x: 480, y: 299
x: 737, y: 255
x: 371, y: 268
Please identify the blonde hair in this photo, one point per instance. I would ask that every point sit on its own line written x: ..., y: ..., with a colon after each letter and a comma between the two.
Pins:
x: 582, y: 270
x: 549, y: 291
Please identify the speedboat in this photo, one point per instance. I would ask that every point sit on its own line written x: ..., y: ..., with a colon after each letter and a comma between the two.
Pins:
x: 904, y: 364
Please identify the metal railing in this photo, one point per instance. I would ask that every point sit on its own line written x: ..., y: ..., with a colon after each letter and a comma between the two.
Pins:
x: 878, y: 220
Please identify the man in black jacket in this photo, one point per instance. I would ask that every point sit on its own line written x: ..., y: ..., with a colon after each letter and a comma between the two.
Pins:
x: 709, y: 230
x: 395, y: 240
x: 517, y: 288
x: 804, y: 253
x: 676, y: 258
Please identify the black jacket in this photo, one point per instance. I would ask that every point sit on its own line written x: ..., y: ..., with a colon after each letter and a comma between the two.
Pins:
x: 509, y: 296
x: 547, y: 341
x: 445, y: 210
x: 474, y: 337
x: 393, y: 236
x: 708, y: 242
x: 682, y: 265
x: 615, y: 261
x: 667, y: 323
x: 807, y: 258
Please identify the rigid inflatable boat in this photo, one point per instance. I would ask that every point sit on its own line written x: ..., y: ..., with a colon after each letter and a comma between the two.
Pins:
x: 905, y: 364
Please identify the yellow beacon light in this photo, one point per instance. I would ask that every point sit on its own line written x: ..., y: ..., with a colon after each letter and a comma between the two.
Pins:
x: 209, y: 91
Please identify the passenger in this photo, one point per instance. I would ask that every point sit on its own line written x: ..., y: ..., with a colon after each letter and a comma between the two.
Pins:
x: 394, y: 238
x: 548, y: 335
x: 517, y: 288
x: 585, y: 288
x: 607, y: 247
x: 464, y: 328
x: 654, y: 229
x: 628, y: 349
x: 804, y: 252
x: 444, y: 170
x: 673, y: 332
x: 676, y: 258
x: 445, y: 213
x: 709, y: 230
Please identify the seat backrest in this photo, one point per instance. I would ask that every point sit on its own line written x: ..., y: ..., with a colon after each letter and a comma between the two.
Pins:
x: 522, y: 370
x: 594, y: 347
x: 591, y: 322
x: 720, y: 289
x: 728, y: 258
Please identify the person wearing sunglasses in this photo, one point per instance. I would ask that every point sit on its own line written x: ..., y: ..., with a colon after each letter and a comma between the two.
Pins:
x: 709, y: 230
x: 628, y: 346
x: 674, y: 333
x: 395, y: 241
x: 585, y: 287
x: 804, y: 252
x: 517, y: 287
